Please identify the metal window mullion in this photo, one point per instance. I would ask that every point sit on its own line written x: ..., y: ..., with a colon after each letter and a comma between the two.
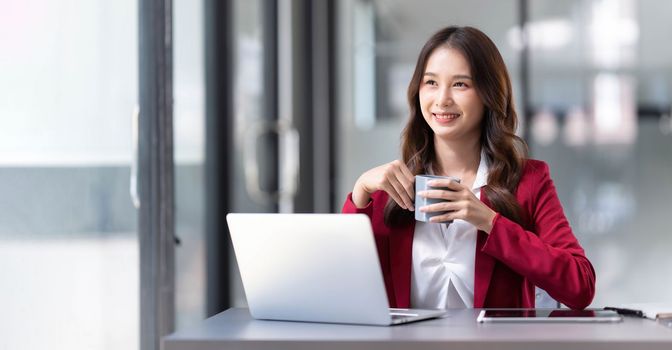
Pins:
x: 156, y: 174
x: 320, y: 22
x: 219, y: 57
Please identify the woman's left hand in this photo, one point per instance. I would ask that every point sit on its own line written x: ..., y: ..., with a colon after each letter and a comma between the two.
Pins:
x: 460, y: 203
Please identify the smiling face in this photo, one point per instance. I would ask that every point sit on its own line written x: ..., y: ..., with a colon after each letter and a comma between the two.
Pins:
x: 449, y: 101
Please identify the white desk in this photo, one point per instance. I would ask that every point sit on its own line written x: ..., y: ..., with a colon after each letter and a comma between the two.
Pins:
x: 235, y: 329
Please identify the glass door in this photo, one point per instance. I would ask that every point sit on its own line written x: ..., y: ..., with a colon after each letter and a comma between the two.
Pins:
x: 189, y: 160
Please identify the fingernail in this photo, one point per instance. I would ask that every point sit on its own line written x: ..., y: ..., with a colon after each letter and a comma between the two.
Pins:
x: 412, y: 208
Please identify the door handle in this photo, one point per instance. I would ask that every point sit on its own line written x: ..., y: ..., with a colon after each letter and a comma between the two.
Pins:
x: 288, y: 138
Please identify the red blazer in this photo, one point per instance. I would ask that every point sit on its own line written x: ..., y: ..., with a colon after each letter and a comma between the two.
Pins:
x: 510, y: 261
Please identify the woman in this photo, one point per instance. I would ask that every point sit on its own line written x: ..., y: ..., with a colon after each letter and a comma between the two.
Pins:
x: 462, y: 123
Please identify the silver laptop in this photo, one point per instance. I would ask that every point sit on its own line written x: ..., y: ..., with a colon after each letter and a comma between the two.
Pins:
x: 314, y: 267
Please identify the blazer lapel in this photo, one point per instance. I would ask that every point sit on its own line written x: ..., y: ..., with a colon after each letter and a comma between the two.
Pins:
x: 484, y: 265
x: 401, y: 251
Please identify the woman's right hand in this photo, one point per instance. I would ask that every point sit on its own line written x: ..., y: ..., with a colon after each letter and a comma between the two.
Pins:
x: 394, y: 178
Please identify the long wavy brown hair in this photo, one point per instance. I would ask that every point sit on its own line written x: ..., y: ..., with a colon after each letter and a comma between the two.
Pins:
x: 505, y: 151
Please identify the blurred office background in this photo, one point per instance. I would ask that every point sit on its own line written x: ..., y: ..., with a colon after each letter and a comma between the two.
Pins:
x: 278, y: 106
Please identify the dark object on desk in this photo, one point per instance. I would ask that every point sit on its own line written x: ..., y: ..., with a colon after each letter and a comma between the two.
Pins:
x: 653, y: 311
x: 626, y: 312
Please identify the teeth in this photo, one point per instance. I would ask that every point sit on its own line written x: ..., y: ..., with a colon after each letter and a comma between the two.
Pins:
x: 446, y: 116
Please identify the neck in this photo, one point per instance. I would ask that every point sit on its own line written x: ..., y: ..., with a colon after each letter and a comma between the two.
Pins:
x: 457, y: 158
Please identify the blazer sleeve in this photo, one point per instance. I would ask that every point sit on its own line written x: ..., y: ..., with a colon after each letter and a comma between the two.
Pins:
x: 550, y: 257
x: 349, y: 207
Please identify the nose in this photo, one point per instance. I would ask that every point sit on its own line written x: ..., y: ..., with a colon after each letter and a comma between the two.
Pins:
x: 444, y: 97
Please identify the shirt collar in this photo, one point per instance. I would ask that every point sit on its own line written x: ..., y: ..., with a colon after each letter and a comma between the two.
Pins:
x: 482, y: 173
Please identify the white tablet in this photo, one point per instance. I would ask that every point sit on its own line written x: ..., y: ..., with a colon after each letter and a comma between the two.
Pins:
x: 547, y: 315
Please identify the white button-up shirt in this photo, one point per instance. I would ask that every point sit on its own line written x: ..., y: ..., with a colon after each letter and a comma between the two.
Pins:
x: 442, y: 275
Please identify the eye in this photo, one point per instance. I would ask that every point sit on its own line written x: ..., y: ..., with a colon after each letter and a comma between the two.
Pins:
x: 431, y: 82
x: 460, y: 84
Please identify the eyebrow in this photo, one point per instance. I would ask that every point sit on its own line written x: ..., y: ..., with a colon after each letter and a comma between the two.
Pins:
x: 459, y: 76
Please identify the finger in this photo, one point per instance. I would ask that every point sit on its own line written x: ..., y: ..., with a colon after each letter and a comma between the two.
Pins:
x: 440, y: 218
x: 446, y: 183
x: 407, y: 185
x: 439, y: 194
x: 406, y: 178
x: 393, y: 193
x: 440, y: 207
x: 407, y: 172
x: 445, y: 217
x: 401, y: 191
